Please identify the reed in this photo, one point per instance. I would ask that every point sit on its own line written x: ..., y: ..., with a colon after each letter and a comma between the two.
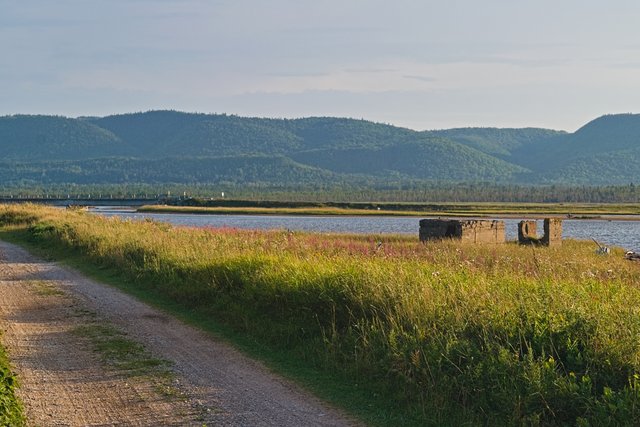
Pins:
x: 443, y: 332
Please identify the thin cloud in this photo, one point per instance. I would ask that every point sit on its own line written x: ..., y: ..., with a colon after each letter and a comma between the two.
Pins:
x: 296, y: 74
x: 371, y: 70
x: 630, y: 65
x: 420, y: 78
x: 333, y: 31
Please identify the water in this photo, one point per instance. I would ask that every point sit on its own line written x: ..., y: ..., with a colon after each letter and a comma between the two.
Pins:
x: 625, y: 234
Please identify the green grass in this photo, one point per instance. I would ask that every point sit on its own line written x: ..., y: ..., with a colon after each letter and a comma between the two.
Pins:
x: 43, y: 288
x: 274, y: 211
x: 11, y: 412
x: 398, y: 332
x: 121, y: 353
x: 127, y: 357
x: 329, y: 385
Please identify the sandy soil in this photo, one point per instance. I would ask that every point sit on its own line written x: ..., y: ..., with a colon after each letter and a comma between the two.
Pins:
x: 64, y: 382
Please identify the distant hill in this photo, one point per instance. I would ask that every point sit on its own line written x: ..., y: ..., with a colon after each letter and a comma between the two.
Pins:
x: 498, y: 142
x: 54, y: 138
x: 158, y: 134
x: 608, y: 133
x: 424, y: 158
x: 604, y: 151
x: 272, y: 171
x: 177, y: 147
x: 340, y: 133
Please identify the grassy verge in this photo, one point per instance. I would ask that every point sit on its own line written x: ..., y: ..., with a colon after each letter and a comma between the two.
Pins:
x: 574, y: 210
x: 10, y: 407
x: 274, y: 211
x: 400, y: 333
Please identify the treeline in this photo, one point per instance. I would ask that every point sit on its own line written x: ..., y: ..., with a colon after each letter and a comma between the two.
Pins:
x: 432, y: 192
x: 463, y: 193
x: 238, y: 170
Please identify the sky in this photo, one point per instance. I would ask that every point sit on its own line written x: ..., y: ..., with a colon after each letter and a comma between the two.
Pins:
x: 420, y: 64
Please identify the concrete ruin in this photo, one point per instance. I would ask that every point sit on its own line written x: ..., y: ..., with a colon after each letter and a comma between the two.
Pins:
x: 527, y: 233
x: 552, y: 232
x: 474, y: 231
x: 490, y: 231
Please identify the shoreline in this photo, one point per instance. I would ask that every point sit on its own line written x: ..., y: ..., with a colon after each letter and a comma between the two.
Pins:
x: 497, y: 214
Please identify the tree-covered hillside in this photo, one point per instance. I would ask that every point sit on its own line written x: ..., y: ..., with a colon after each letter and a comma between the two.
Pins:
x: 177, y: 147
x: 338, y: 133
x: 426, y: 158
x: 604, y: 151
x: 497, y: 142
x: 158, y: 134
x: 262, y: 170
x: 31, y: 138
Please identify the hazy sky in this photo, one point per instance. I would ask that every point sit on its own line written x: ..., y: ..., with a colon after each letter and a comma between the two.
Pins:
x: 421, y: 64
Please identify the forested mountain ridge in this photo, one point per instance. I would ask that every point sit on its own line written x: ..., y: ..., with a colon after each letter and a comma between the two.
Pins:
x: 177, y: 147
x: 427, y: 158
x: 54, y: 138
x: 498, y: 142
x: 605, y: 150
x: 158, y: 134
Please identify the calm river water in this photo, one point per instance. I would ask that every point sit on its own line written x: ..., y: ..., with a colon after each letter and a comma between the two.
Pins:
x: 625, y: 234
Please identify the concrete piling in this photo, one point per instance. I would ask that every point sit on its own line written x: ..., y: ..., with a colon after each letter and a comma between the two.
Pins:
x: 475, y: 231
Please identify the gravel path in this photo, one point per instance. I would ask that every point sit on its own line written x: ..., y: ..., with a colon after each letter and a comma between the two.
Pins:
x: 64, y: 382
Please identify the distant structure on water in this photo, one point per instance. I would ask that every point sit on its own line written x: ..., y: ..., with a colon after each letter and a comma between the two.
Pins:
x: 474, y: 231
x: 490, y: 231
x: 527, y: 233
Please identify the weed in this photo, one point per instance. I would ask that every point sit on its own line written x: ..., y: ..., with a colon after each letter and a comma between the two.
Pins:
x: 423, y: 334
x: 119, y: 352
x: 43, y: 288
x: 11, y: 411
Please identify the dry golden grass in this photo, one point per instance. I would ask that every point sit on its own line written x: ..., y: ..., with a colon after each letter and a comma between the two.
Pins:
x: 575, y: 210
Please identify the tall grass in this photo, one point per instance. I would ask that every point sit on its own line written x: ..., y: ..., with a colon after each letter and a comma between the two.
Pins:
x: 11, y: 412
x: 446, y: 333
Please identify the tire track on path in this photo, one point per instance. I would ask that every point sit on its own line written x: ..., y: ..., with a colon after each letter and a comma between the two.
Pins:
x: 63, y: 382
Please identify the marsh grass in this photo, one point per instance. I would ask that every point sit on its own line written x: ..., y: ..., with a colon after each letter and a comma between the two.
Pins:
x: 328, y: 211
x: 442, y: 333
x: 575, y: 210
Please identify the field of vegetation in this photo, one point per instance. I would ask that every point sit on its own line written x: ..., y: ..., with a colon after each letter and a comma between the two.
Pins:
x: 10, y: 408
x: 249, y: 207
x: 442, y: 333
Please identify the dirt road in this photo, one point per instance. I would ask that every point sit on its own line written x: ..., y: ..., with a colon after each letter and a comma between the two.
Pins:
x: 65, y: 380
